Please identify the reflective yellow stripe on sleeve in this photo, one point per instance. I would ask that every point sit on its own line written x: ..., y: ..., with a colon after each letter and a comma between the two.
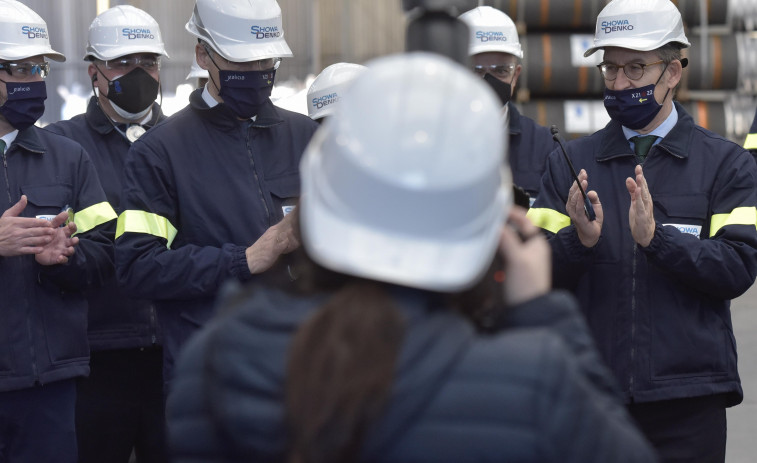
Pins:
x: 751, y: 142
x: 548, y: 219
x: 146, y: 222
x: 89, y: 218
x: 738, y: 216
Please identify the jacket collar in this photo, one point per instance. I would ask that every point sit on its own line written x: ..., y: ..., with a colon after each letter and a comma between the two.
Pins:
x: 221, y: 115
x: 29, y: 141
x: 677, y: 143
x: 101, y: 123
x: 514, y: 124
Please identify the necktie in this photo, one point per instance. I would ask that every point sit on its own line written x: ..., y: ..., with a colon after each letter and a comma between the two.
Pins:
x: 2, y: 147
x: 642, y: 145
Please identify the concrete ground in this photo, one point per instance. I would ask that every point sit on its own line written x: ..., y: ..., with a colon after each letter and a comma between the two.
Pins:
x: 742, y: 419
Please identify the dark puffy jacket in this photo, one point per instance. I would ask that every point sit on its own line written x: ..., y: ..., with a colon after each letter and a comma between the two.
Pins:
x: 530, y: 144
x: 532, y: 393
x: 43, y: 334
x: 116, y: 320
x: 199, y: 189
x: 660, y: 315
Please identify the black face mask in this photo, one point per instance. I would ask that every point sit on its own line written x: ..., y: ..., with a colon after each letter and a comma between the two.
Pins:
x: 502, y: 89
x: 134, y: 92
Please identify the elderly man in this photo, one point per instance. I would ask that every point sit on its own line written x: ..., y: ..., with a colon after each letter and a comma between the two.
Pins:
x: 673, y: 242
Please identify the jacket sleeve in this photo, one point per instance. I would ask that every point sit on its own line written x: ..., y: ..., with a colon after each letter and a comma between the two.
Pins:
x: 581, y: 423
x: 145, y: 262
x: 92, y: 262
x: 570, y: 258
x: 723, y: 264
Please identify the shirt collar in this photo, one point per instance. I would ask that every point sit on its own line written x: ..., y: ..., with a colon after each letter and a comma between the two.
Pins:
x: 8, y: 138
x: 660, y: 131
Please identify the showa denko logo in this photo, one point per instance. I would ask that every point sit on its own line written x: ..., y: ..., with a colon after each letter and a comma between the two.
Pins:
x: 134, y: 33
x: 265, y: 32
x: 491, y: 36
x: 616, y: 25
x: 34, y: 32
x: 325, y: 100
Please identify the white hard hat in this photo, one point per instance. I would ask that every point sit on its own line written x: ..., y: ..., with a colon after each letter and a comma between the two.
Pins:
x: 123, y: 30
x: 23, y: 33
x: 328, y: 88
x: 240, y: 30
x: 196, y: 71
x: 491, y: 30
x: 641, y: 25
x: 417, y: 193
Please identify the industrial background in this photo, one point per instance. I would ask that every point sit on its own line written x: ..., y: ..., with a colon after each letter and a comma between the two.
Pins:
x: 558, y: 86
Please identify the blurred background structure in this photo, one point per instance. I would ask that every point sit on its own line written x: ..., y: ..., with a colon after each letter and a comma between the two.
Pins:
x: 558, y: 85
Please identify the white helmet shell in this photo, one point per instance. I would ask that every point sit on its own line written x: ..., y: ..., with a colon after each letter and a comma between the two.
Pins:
x: 327, y: 90
x: 641, y: 25
x: 196, y: 71
x: 491, y: 31
x: 123, y: 30
x: 23, y: 33
x: 417, y: 193
x: 240, y: 30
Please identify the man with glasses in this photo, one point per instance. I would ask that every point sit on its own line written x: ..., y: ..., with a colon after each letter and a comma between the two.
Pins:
x: 206, y: 193
x: 56, y: 233
x: 674, y: 240
x: 119, y: 407
x: 495, y: 52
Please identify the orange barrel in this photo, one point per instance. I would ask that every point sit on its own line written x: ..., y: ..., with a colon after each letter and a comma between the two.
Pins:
x: 554, y: 66
x: 582, y: 14
x: 713, y: 62
x: 552, y: 14
x: 716, y: 11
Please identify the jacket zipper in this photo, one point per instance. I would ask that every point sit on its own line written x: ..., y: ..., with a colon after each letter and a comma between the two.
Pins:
x: 255, y: 172
x: 32, y: 352
x: 7, y: 181
x: 633, y: 322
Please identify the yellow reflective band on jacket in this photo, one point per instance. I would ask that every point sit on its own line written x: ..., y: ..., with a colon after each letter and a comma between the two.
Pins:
x: 548, y: 219
x: 89, y: 218
x: 751, y: 142
x: 738, y: 216
x: 146, y: 222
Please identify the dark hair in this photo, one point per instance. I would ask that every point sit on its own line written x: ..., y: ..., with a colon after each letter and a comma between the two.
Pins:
x: 342, y: 360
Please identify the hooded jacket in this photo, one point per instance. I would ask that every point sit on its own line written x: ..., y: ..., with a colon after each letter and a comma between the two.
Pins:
x: 533, y: 392
x: 660, y: 315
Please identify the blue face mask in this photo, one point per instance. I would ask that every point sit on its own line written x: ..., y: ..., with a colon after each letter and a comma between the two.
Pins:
x: 245, y: 92
x: 25, y: 104
x: 633, y: 107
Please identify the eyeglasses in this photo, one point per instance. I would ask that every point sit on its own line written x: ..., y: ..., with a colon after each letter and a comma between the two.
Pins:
x: 268, y: 64
x: 26, y: 69
x: 633, y: 71
x: 497, y: 70
x: 146, y: 62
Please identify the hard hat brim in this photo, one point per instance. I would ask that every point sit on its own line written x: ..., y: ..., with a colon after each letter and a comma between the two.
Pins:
x: 19, y: 53
x: 445, y: 262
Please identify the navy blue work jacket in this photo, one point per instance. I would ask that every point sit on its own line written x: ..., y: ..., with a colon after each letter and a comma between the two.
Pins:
x: 530, y: 145
x: 43, y: 334
x: 199, y: 189
x: 660, y: 315
x: 116, y: 320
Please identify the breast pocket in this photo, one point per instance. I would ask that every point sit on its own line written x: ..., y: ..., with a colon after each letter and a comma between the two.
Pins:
x: 47, y: 201
x: 687, y: 213
x: 285, y: 192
